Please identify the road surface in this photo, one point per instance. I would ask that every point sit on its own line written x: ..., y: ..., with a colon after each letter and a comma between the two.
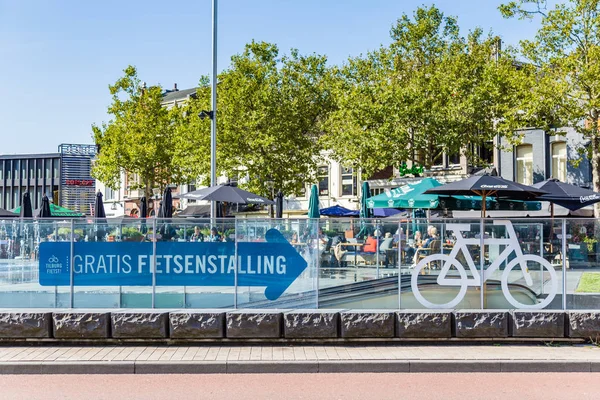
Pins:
x: 501, y: 386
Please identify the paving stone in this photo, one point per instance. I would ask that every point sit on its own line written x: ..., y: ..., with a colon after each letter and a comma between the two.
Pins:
x: 254, y: 324
x: 139, y: 324
x: 367, y: 324
x: 201, y: 324
x: 311, y: 324
x: 481, y: 324
x: 25, y: 324
x: 584, y: 324
x: 80, y: 324
x: 542, y: 324
x: 423, y: 324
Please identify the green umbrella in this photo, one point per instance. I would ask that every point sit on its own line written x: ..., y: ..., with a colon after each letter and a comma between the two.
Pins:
x: 313, y: 203
x: 56, y: 211
x: 365, y: 210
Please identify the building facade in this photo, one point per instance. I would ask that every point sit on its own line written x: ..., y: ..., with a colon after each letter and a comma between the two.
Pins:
x: 65, y: 177
x: 542, y: 156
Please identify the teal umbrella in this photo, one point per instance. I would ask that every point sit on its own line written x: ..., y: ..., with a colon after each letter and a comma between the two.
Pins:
x: 313, y: 203
x: 365, y: 211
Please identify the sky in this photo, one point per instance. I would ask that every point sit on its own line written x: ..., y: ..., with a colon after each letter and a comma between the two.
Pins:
x: 58, y: 57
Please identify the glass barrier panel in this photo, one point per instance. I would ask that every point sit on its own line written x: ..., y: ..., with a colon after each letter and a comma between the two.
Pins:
x: 277, y: 263
x: 583, y: 264
x: 195, y: 263
x: 358, y: 263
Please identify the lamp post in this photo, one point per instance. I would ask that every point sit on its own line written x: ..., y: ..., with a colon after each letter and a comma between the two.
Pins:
x: 213, y: 98
x: 270, y: 185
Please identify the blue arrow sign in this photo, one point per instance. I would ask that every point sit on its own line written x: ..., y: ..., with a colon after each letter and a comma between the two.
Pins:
x: 274, y: 264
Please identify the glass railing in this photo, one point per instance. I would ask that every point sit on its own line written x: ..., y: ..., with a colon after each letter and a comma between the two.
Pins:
x: 301, y: 263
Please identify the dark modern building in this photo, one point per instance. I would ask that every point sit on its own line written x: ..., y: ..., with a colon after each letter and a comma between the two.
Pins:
x: 65, y: 176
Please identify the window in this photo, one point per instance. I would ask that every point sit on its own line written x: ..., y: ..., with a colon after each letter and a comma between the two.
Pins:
x: 376, y: 191
x: 16, y: 197
x: 31, y: 169
x: 525, y: 164
x: 559, y: 161
x: 40, y: 164
x: 55, y: 168
x: 349, y: 182
x: 323, y: 177
x: 16, y: 169
x: 8, y: 169
x: 48, y: 164
x: 109, y: 194
x: 24, y: 170
x: 1, y: 170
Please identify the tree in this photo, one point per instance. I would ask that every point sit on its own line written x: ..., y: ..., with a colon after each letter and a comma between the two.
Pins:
x: 270, y: 109
x: 430, y: 92
x: 141, y: 138
x: 564, y: 83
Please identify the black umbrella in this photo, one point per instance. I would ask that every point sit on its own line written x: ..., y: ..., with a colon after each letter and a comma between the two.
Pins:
x: 487, y: 185
x: 44, y: 210
x: 143, y: 208
x: 566, y: 195
x: 26, y: 210
x: 279, y: 205
x: 226, y: 193
x: 166, y: 211
x: 99, y: 206
x: 99, y: 215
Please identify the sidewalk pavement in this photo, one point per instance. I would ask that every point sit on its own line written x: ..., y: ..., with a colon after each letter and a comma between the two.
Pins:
x: 298, y: 358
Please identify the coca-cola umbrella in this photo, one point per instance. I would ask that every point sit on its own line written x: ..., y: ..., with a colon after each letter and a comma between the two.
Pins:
x: 566, y: 195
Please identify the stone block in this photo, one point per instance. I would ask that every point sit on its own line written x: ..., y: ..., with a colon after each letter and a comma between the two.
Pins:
x: 307, y: 324
x: 201, y: 324
x: 139, y: 324
x: 80, y: 325
x: 481, y: 324
x: 423, y: 324
x: 538, y: 324
x: 254, y: 324
x: 367, y: 324
x: 25, y: 324
x: 584, y: 324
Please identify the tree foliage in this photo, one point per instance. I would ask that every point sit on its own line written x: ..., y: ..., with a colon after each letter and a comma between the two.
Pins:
x: 431, y: 91
x: 140, y: 138
x: 564, y: 79
x: 270, y: 109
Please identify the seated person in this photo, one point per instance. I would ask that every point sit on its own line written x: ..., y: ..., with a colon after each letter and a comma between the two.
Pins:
x: 370, y: 244
x: 294, y: 238
x: 323, y: 240
x: 214, y: 235
x: 197, y: 236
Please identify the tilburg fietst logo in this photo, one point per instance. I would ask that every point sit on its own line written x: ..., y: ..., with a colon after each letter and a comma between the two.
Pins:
x: 53, y: 265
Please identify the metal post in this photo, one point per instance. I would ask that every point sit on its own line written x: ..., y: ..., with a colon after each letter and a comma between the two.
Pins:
x: 482, y: 263
x: 235, y: 273
x: 541, y: 227
x: 377, y: 249
x: 213, y: 122
x: 71, y: 272
x: 564, y: 263
x: 153, y: 270
x: 399, y: 265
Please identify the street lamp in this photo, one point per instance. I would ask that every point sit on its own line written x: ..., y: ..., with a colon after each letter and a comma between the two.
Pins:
x: 270, y: 185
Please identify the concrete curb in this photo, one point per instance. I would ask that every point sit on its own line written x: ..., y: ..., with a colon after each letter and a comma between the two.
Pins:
x: 329, y: 366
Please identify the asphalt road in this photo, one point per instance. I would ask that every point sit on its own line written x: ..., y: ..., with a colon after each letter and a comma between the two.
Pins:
x: 504, y: 386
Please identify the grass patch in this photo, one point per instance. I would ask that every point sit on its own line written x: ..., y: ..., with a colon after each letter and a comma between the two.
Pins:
x: 589, y: 283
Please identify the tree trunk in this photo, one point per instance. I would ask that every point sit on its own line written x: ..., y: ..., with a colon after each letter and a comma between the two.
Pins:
x: 596, y: 171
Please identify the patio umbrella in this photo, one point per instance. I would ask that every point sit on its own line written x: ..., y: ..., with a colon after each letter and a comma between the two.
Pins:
x: 166, y: 211
x: 143, y: 214
x: 365, y: 211
x: 226, y: 193
x: 313, y: 203
x: 279, y: 205
x: 26, y: 211
x: 44, y: 210
x: 7, y: 214
x: 99, y: 216
x: 487, y: 185
x: 566, y: 195
x: 338, y: 211
x: 143, y: 208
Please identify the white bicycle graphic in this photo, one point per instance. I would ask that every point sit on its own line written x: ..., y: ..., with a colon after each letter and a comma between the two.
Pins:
x: 449, y: 260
